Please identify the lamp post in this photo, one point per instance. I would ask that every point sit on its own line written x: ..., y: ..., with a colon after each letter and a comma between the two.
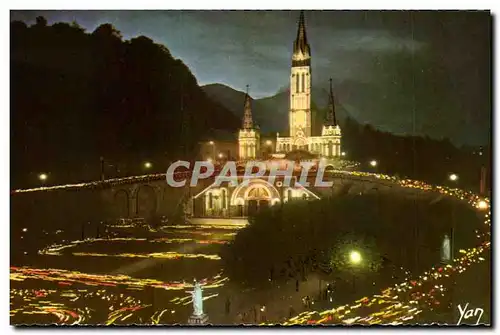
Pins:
x: 373, y: 163
x: 453, y: 177
x: 212, y: 143
x: 42, y: 177
x: 355, y: 259
x: 147, y: 165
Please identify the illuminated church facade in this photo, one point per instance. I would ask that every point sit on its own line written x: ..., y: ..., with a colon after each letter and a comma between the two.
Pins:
x: 327, y: 144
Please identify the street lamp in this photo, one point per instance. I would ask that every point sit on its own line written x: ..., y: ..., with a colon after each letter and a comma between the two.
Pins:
x: 373, y: 163
x: 355, y: 257
x: 343, y: 153
x: 211, y: 142
x: 453, y: 177
x: 221, y: 155
x: 482, y: 204
x: 147, y: 165
x: 42, y: 176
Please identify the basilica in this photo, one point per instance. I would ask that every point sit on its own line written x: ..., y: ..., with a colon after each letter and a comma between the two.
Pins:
x: 244, y: 200
x: 300, y: 137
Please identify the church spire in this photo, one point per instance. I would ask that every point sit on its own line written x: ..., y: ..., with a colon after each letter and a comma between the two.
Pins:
x: 301, y: 49
x: 331, y: 118
x: 247, y: 115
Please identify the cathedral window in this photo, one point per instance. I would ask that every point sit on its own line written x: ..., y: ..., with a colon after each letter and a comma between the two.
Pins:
x: 297, y: 84
x: 303, y: 82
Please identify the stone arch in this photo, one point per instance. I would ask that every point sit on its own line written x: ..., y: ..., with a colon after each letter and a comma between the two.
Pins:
x: 241, y: 192
x: 300, y: 143
x: 329, y: 168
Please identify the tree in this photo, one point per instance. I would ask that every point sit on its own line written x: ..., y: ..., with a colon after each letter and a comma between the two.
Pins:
x: 41, y: 21
x: 98, y: 95
x: 353, y: 254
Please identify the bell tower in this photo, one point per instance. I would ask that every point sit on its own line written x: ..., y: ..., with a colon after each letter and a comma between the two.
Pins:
x: 249, y: 136
x: 300, y: 89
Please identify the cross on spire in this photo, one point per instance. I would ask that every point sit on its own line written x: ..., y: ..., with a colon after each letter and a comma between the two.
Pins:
x: 301, y: 45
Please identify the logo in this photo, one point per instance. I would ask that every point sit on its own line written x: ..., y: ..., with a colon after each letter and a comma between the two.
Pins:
x: 253, y: 169
x: 471, y: 313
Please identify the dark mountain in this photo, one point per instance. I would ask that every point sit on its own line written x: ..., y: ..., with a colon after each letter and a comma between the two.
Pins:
x: 76, y: 96
x: 271, y: 113
x: 230, y: 98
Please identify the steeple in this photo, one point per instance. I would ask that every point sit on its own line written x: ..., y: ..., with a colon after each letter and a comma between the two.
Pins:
x: 301, y: 49
x: 247, y: 115
x: 331, y: 119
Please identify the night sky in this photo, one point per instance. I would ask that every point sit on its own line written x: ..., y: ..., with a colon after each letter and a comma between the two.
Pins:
x: 237, y: 48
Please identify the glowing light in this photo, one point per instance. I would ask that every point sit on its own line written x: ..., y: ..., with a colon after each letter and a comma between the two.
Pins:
x: 211, y: 142
x: 373, y: 163
x: 355, y: 257
x: 221, y: 155
x: 453, y: 177
x: 42, y: 176
x: 482, y: 205
x: 25, y: 229
x: 343, y: 153
x: 147, y: 165
x: 269, y: 142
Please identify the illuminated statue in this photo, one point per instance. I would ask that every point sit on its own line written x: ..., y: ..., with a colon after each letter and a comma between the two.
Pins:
x: 446, y: 249
x: 198, y: 317
x: 197, y: 300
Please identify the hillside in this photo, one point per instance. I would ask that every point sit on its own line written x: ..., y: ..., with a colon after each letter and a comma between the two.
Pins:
x: 76, y: 96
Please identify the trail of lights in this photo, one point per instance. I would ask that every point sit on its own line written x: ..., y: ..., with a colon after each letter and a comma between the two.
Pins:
x: 55, y: 249
x: 98, y: 183
x: 207, y: 226
x: 165, y: 255
x: 403, y: 302
x: 20, y: 274
x: 156, y: 317
x: 65, y: 305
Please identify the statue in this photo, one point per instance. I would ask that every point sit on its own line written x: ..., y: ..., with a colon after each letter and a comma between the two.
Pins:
x: 198, y: 317
x: 197, y: 299
x: 446, y: 249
